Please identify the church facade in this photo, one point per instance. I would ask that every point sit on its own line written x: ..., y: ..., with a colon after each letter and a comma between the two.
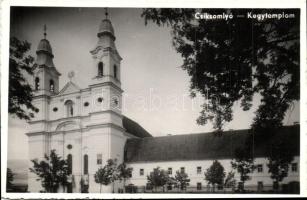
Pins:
x: 87, y: 127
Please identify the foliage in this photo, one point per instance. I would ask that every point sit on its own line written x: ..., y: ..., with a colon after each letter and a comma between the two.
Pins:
x: 124, y: 173
x: 230, y: 180
x: 231, y: 60
x: 244, y: 162
x: 158, y: 177
x: 280, y: 158
x: 20, y: 92
x: 107, y: 174
x: 181, y: 179
x: 52, y: 171
x: 9, y: 178
x: 215, y: 174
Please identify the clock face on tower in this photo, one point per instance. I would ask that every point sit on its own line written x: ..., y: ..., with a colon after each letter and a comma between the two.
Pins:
x: 115, y: 102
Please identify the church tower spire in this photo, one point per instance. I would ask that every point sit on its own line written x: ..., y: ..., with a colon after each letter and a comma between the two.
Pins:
x: 106, y: 59
x: 46, y: 76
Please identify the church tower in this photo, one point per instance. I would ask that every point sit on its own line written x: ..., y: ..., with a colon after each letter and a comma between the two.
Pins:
x: 106, y: 59
x: 46, y: 76
x: 84, y: 126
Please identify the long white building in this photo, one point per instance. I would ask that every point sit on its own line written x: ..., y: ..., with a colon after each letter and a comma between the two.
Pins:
x: 87, y: 126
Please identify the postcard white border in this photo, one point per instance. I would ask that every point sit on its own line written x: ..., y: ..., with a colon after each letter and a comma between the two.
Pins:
x: 5, y: 19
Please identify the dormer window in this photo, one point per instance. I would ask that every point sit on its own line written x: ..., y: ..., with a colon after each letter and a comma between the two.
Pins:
x: 69, y: 108
x: 100, y: 69
x: 51, y: 86
x: 36, y: 83
x: 115, y: 71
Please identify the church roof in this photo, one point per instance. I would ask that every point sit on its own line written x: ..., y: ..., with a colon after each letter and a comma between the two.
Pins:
x: 44, y: 46
x: 106, y: 28
x: 202, y: 146
x: 134, y: 128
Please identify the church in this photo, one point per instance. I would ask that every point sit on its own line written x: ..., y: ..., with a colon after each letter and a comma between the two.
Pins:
x: 86, y: 126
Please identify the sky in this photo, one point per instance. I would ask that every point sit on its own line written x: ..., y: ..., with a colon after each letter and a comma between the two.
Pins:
x: 156, y: 89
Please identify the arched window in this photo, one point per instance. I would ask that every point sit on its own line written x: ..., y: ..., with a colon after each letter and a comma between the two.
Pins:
x: 100, y: 69
x: 51, y: 86
x: 36, y: 83
x: 69, y: 108
x: 69, y: 163
x: 85, y: 159
x: 115, y: 71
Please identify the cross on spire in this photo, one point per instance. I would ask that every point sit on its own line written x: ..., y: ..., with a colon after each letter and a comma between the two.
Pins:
x: 106, y: 12
x: 45, y: 30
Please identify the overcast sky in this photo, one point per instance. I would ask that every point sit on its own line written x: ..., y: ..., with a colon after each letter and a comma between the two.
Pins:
x: 150, y: 69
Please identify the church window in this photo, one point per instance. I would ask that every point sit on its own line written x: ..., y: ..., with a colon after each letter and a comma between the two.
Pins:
x: 69, y: 163
x: 69, y: 108
x: 294, y: 167
x: 198, y: 170
x: 99, y: 159
x: 141, y: 172
x: 69, y: 146
x: 100, y: 69
x: 198, y: 186
x: 86, y: 104
x: 99, y: 99
x: 259, y: 168
x: 55, y: 109
x: 115, y: 71
x: 51, y: 86
x: 170, y: 171
x: 182, y: 170
x: 36, y: 83
x: 85, y: 170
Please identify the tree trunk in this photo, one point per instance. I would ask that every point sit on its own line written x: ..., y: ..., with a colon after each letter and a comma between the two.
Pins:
x: 100, y: 188
x: 113, y: 185
x: 124, y: 182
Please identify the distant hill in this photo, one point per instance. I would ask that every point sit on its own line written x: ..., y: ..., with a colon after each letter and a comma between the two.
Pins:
x: 20, y: 171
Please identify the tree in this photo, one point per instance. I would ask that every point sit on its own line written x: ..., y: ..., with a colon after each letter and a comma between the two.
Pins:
x: 158, y: 178
x: 102, y: 177
x: 107, y: 174
x: 20, y: 92
x: 230, y: 181
x: 243, y: 163
x: 9, y: 179
x: 230, y: 60
x: 215, y: 174
x: 181, y: 179
x: 124, y: 173
x: 280, y: 158
x: 53, y: 172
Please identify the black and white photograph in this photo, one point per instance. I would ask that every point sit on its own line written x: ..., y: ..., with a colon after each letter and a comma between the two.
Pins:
x: 154, y: 100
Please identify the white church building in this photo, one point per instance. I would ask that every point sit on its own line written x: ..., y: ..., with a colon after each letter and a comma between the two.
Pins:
x: 87, y: 127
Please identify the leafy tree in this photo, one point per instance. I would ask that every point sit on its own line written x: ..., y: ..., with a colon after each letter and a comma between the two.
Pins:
x: 102, y: 177
x: 107, y: 174
x: 215, y: 174
x: 53, y: 171
x: 124, y: 173
x: 231, y: 60
x: 9, y: 179
x: 20, y: 92
x: 158, y: 178
x: 181, y: 179
x: 243, y: 163
x: 280, y: 158
x: 230, y: 180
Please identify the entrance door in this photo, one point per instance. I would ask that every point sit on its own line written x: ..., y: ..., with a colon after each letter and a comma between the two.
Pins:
x: 69, y: 162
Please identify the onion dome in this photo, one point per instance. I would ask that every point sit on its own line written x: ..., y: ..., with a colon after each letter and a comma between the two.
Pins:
x: 106, y: 28
x: 44, y: 47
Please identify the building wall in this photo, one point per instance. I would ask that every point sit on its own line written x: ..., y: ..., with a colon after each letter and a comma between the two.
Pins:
x: 191, y: 170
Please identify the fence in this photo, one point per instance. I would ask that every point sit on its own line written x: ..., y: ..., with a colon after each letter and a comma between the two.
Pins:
x: 291, y: 188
